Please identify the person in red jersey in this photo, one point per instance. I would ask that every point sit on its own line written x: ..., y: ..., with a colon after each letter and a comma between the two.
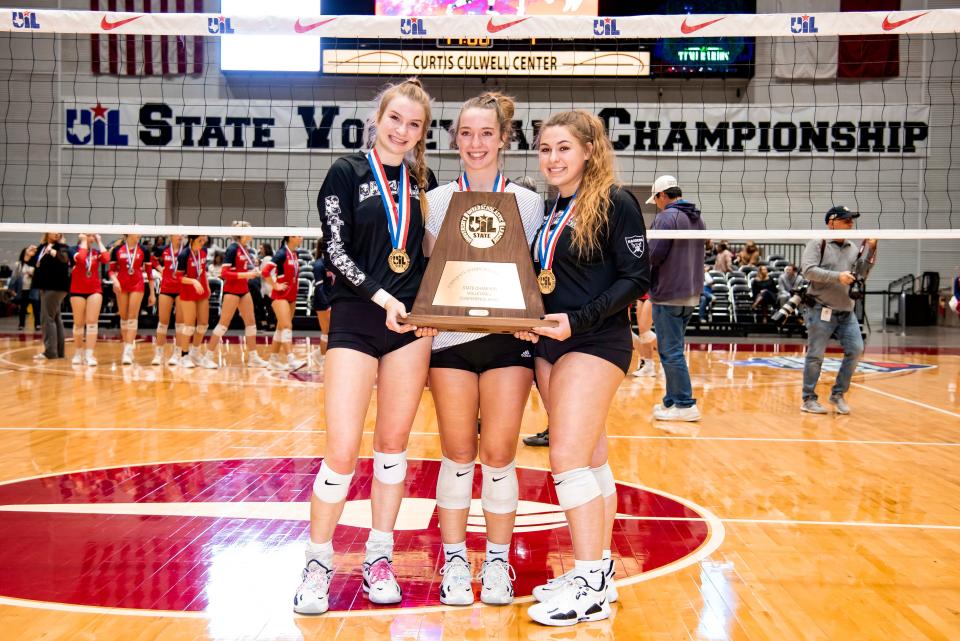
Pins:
x: 195, y: 301
x: 284, y: 276
x: 129, y: 262
x: 86, y: 295
x: 239, y: 267
x: 164, y: 260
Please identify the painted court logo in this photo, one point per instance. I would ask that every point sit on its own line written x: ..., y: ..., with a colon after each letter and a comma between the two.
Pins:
x: 829, y: 365
x: 199, y: 537
x: 96, y: 125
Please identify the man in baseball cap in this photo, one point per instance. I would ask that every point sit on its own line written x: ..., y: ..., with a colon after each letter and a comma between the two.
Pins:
x: 660, y: 185
x: 840, y: 212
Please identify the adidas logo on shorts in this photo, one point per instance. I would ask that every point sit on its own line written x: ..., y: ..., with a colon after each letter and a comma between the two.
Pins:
x: 526, y: 354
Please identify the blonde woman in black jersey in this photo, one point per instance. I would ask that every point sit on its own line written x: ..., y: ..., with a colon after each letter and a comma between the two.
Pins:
x: 372, y: 206
x: 591, y: 260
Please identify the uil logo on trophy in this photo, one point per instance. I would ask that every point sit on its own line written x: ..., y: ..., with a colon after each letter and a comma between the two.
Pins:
x: 482, y: 226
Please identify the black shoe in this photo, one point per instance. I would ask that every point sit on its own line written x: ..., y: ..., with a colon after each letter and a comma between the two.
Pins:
x: 540, y: 439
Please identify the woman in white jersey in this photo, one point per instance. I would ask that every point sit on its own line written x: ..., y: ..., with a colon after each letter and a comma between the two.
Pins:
x: 486, y: 374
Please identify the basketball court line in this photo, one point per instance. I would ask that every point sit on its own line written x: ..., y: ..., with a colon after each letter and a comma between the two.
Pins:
x: 639, y: 437
x: 933, y: 408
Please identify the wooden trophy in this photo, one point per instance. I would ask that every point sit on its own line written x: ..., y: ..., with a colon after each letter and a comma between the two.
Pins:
x: 480, y: 276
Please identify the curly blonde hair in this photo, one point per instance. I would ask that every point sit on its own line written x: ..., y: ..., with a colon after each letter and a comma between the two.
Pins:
x: 411, y: 89
x: 599, y: 176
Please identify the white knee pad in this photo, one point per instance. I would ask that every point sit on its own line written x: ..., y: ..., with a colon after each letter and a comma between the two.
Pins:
x: 125, y: 324
x: 330, y: 486
x: 454, y: 484
x: 501, y: 490
x: 389, y: 469
x: 219, y: 331
x: 132, y: 324
x: 286, y: 336
x: 604, y: 476
x: 250, y: 330
x: 200, y: 329
x: 92, y: 329
x: 188, y: 331
x: 162, y: 329
x: 575, y: 487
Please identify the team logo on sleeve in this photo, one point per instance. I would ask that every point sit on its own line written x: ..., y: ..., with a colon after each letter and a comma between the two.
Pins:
x: 635, y: 244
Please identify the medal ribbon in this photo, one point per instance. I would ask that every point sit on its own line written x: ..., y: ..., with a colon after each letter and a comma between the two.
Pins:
x: 131, y: 257
x: 398, y: 213
x: 499, y: 183
x: 550, y: 235
x: 196, y: 263
x: 246, y: 256
x: 89, y: 260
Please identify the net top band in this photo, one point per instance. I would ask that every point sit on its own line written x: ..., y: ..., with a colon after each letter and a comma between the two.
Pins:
x: 498, y: 27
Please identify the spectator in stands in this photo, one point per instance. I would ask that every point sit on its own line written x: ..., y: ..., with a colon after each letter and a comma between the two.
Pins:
x: 322, y: 284
x: 749, y: 255
x: 709, y: 252
x: 724, y: 261
x: 260, y: 289
x: 789, y: 280
x: 677, y: 277
x: 24, y: 293
x: 764, y: 293
x: 216, y: 266
x: 52, y: 278
x: 706, y: 296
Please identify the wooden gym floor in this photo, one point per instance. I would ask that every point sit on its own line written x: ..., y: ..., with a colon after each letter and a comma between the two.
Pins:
x: 144, y: 503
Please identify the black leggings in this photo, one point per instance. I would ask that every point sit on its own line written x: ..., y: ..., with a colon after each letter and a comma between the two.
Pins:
x: 22, y: 303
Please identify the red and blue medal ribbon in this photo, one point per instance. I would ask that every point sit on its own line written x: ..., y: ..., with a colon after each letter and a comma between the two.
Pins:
x: 398, y: 213
x: 550, y: 234
x: 499, y: 183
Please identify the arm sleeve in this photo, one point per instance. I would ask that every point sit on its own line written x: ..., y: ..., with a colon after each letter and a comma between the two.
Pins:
x: 627, y: 247
x: 78, y: 255
x: 267, y: 269
x: 114, y: 257
x: 335, y: 203
x: 810, y: 264
x: 229, y: 271
x: 182, y: 258
x: 660, y: 248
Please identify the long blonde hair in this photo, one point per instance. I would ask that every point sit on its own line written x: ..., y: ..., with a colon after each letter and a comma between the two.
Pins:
x: 593, y: 195
x: 411, y: 89
x: 501, y: 105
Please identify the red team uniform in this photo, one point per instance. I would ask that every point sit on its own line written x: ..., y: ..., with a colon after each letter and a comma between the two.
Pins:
x: 166, y: 264
x: 192, y: 265
x: 85, y: 278
x: 236, y: 261
x: 129, y: 266
x: 286, y: 264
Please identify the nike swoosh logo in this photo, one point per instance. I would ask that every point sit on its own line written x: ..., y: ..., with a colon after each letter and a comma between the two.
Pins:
x: 495, y: 479
x: 106, y: 25
x: 890, y: 26
x: 690, y: 28
x: 387, y: 467
x: 464, y: 474
x: 556, y: 483
x: 303, y: 28
x: 325, y: 482
x: 493, y: 28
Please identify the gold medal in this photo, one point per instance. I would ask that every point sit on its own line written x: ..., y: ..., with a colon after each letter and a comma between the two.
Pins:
x: 399, y: 261
x: 547, y: 281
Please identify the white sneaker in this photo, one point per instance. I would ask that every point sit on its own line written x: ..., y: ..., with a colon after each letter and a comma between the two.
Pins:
x: 127, y: 357
x: 551, y: 587
x: 254, y: 360
x: 648, y: 370
x: 174, y: 359
x: 277, y: 364
x: 157, y: 356
x: 312, y: 595
x: 91, y: 360
x: 207, y: 362
x: 496, y: 579
x: 78, y: 357
x: 675, y: 413
x: 294, y: 364
x: 456, y: 586
x: 40, y: 357
x: 576, y: 601
x: 380, y: 582
x: 187, y: 362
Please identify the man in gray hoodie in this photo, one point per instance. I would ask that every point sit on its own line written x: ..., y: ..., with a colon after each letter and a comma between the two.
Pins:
x: 677, y: 277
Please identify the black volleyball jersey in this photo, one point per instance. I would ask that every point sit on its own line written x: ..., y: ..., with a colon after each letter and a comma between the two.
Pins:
x: 356, y: 239
x: 591, y: 290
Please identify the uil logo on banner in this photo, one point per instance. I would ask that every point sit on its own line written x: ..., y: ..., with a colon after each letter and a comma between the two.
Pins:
x: 803, y: 24
x: 412, y: 27
x: 605, y: 27
x: 96, y: 125
x: 219, y: 25
x: 25, y: 20
x: 635, y: 245
x: 482, y: 226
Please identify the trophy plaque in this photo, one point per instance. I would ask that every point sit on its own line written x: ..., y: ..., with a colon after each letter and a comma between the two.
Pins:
x: 480, y: 277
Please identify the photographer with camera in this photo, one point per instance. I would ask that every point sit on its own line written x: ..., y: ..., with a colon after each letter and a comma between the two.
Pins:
x: 836, y: 270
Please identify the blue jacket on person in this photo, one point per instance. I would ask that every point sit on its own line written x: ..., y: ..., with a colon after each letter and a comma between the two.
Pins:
x: 677, y: 265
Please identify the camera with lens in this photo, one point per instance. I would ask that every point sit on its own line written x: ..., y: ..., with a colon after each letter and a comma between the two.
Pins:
x: 798, y: 297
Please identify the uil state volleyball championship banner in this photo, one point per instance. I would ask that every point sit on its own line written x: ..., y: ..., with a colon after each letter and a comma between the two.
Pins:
x: 894, y: 130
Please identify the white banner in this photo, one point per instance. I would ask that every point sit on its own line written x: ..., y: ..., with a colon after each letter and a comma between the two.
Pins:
x: 501, y: 27
x: 893, y: 130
